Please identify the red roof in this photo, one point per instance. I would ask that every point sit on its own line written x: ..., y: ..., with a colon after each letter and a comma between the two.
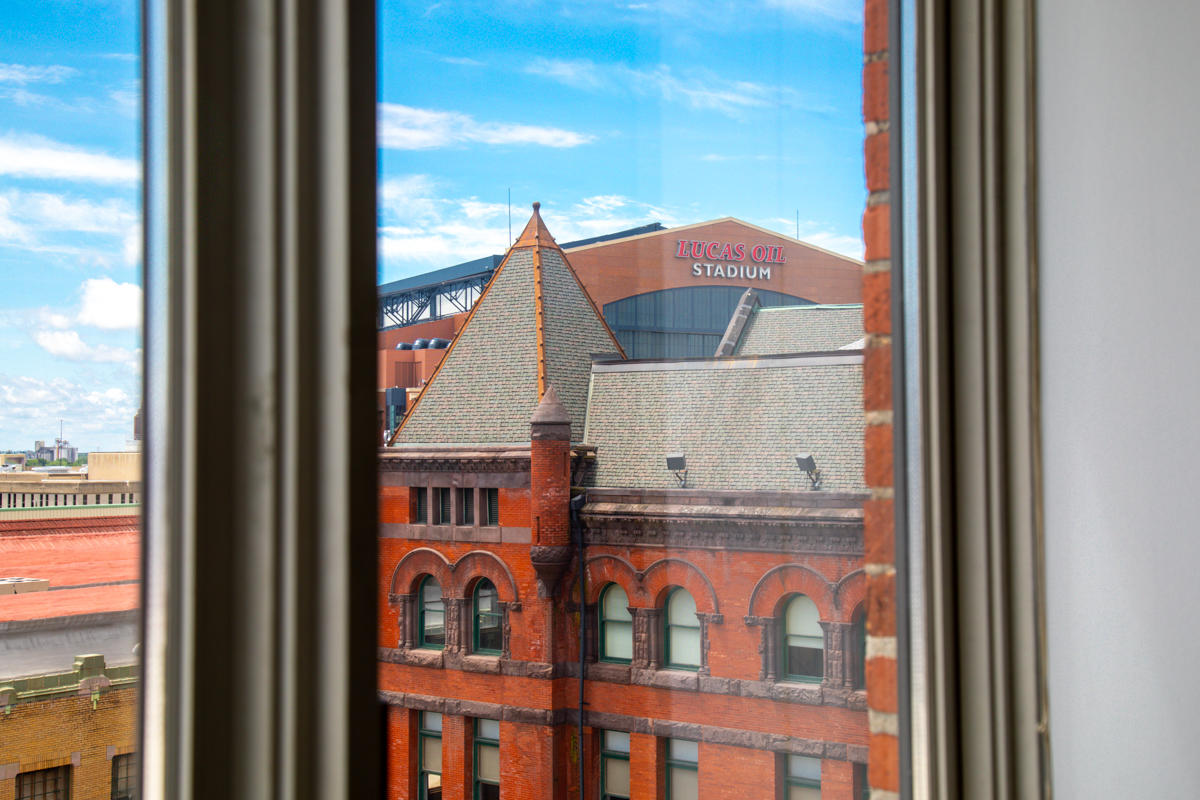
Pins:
x: 71, y: 554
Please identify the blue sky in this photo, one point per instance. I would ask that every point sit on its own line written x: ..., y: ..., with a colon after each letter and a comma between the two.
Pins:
x: 612, y: 114
x: 69, y: 223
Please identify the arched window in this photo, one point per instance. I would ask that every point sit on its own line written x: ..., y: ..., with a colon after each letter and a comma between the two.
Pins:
x: 616, y: 625
x: 431, y: 615
x: 488, y: 634
x: 858, y: 649
x: 803, y: 641
x: 682, y: 642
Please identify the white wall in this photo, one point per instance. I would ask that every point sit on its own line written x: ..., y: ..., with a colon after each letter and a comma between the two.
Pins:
x: 1119, y: 106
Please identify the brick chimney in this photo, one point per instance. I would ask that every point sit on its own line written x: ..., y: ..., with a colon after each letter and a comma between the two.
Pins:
x: 550, y: 485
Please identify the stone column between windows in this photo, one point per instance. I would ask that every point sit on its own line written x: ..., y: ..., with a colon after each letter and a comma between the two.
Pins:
x: 768, y: 649
x: 647, y: 638
x: 836, y: 672
x: 406, y: 619
x: 458, y: 621
x: 706, y: 620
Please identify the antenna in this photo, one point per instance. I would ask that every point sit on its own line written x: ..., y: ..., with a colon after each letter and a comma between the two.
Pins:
x: 509, y: 218
x: 797, y: 223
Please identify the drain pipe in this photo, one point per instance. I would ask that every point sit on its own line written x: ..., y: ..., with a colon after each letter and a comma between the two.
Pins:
x: 577, y: 529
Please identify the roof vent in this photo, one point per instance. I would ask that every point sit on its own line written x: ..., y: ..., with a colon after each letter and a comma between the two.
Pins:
x: 420, y: 344
x: 23, y: 585
x: 439, y: 344
x: 403, y: 346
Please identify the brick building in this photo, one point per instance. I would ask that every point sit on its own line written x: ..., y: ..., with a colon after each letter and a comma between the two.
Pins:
x: 68, y: 667
x: 713, y: 508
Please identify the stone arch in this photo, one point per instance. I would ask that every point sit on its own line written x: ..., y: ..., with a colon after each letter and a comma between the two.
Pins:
x: 657, y: 578
x: 788, y: 579
x: 483, y: 564
x: 419, y: 562
x: 605, y: 569
x: 850, y: 592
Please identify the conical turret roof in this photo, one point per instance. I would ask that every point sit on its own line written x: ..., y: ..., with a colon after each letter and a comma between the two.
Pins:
x: 533, y: 326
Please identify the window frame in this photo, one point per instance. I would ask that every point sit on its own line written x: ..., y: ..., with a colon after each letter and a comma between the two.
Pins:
x: 424, y: 734
x: 277, y: 110
x: 803, y: 783
x: 490, y: 502
x: 671, y: 764
x: 421, y: 641
x: 128, y: 763
x: 601, y: 628
x: 784, y: 655
x: 478, y: 742
x: 607, y: 755
x: 61, y: 772
x: 666, y: 631
x: 498, y: 614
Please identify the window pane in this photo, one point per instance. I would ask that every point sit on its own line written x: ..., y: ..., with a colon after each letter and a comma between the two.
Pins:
x: 681, y: 609
x: 616, y: 777
x: 685, y: 646
x: 431, y: 721
x: 616, y: 604
x: 431, y: 754
x: 683, y: 750
x: 488, y: 768
x: 616, y: 741
x: 802, y: 618
x: 685, y: 784
x: 432, y: 787
x: 804, y: 793
x: 618, y: 640
x: 488, y: 729
x: 804, y: 767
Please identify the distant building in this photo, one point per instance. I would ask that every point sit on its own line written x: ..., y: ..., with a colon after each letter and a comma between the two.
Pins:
x: 650, y: 568
x: 664, y: 292
x: 68, y: 636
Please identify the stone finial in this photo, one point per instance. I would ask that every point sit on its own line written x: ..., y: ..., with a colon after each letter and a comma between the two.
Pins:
x: 550, y: 419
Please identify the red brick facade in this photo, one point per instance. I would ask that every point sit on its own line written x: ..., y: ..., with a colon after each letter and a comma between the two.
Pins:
x: 745, y: 717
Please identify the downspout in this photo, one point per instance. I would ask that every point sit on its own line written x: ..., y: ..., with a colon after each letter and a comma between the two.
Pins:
x: 577, y: 530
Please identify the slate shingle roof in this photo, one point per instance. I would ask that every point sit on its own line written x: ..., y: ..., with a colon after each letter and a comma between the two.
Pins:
x: 491, y: 379
x: 800, y: 329
x: 739, y: 422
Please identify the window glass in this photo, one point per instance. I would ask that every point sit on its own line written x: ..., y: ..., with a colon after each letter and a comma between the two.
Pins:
x: 124, y: 776
x: 636, y: 228
x: 803, y: 778
x: 45, y: 784
x: 432, y: 618
x: 430, y: 756
x: 804, y: 640
x: 488, y: 618
x: 487, y: 759
x: 616, y: 625
x: 683, y: 630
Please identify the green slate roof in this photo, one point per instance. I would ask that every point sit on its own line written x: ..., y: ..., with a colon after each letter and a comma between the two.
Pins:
x: 533, y: 327
x: 800, y: 329
x: 738, y: 421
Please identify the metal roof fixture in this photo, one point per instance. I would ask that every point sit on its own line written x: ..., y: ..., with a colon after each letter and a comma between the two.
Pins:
x: 806, y: 462
x: 677, y: 464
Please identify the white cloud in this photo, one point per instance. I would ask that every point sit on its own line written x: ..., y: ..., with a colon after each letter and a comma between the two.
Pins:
x: 697, y: 89
x: 424, y: 231
x: 28, y: 156
x: 462, y: 62
x: 110, y: 305
x: 47, y: 223
x: 23, y: 74
x: 95, y: 415
x: 835, y: 10
x: 68, y: 345
x: 408, y: 128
